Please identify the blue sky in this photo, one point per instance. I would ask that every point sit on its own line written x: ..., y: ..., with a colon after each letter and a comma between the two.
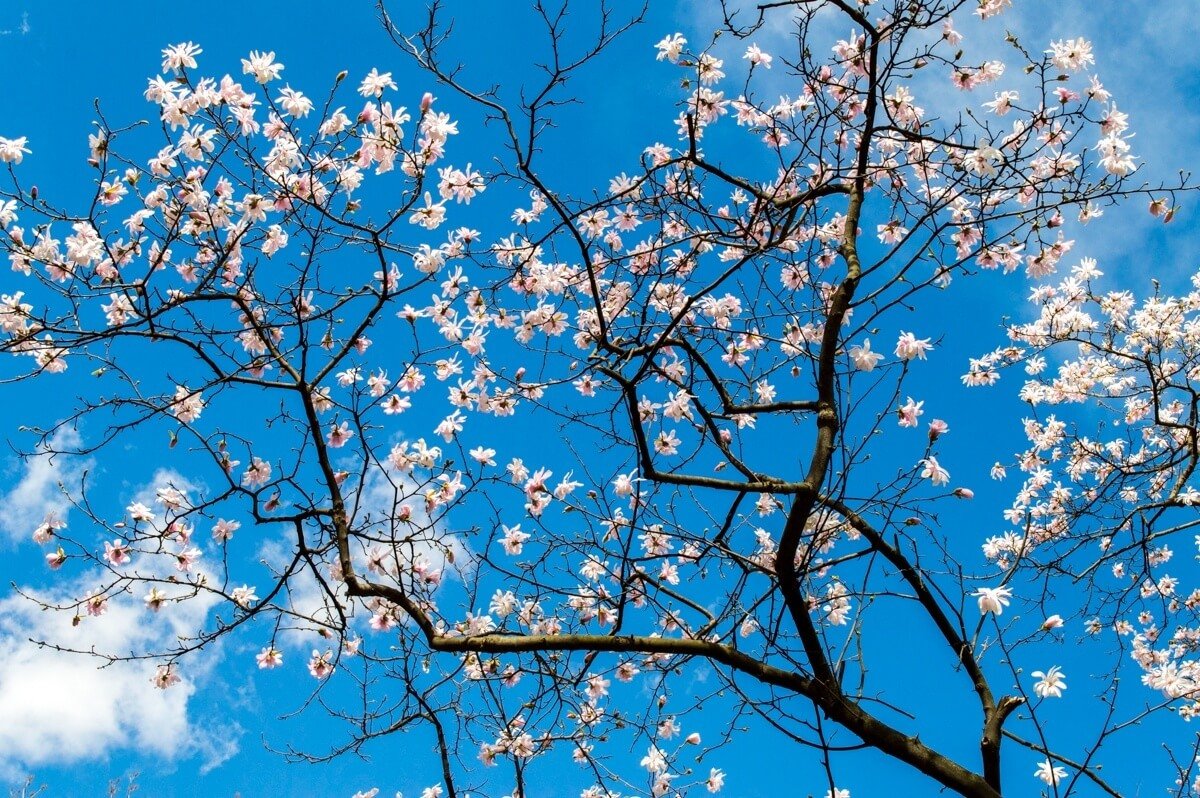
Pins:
x: 219, y: 735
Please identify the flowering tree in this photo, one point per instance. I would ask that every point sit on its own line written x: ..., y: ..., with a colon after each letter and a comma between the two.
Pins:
x: 359, y: 398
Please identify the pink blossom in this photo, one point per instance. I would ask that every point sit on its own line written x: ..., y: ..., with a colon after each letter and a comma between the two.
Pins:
x: 165, y: 677
x: 339, y: 435
x: 320, y: 665
x: 993, y: 599
x: 262, y: 66
x: 934, y: 472
x: 908, y: 346
x: 116, y: 552
x: 13, y: 150
x: 864, y: 359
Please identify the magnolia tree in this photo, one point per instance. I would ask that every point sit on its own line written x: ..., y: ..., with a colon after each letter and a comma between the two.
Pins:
x: 683, y: 422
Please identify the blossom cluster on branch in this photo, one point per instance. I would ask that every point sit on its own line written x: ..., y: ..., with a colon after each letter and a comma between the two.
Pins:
x: 361, y: 397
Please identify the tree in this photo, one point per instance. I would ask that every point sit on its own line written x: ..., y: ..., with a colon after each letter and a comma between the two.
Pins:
x: 670, y: 424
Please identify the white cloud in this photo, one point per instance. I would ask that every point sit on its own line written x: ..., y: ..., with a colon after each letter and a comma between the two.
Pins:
x: 217, y: 745
x: 61, y: 707
x: 47, y: 480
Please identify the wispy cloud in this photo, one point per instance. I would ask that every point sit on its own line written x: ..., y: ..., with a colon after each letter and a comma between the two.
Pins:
x: 46, y: 484
x: 23, y: 28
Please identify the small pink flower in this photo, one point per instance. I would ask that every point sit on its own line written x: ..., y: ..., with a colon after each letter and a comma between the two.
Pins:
x: 116, y: 552
x: 319, y: 664
x: 223, y: 530
x: 270, y: 657
x: 55, y: 559
x: 1053, y: 622
x: 339, y: 435
x: 165, y: 677
x: 908, y: 346
x: 97, y: 605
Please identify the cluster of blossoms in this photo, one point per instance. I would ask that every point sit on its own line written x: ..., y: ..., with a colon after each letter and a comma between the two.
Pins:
x: 701, y: 316
x: 1138, y: 360
x: 190, y: 231
x: 185, y: 218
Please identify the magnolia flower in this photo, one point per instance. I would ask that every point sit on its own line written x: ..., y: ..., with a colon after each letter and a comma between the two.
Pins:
x: 982, y: 161
x: 164, y: 677
x: 1053, y: 622
x: 1049, y: 773
x: 671, y: 47
x: 45, y: 530
x: 319, y: 664
x: 116, y: 552
x: 1003, y: 102
x: 187, y: 405
x: 625, y: 484
x: 667, y: 443
x: 154, y: 599
x: 513, y: 539
x: 993, y: 599
x: 275, y: 240
x: 295, y: 103
x: 757, y: 57
x: 864, y: 359
x: 396, y: 404
x: 1050, y: 683
x: 258, y: 473
x: 339, y: 435
x: 654, y: 761
x: 184, y: 559
x: 223, y: 529
x: 909, y: 412
x: 262, y: 66
x: 483, y: 455
x: 430, y: 216
x: 112, y: 192
x: 934, y: 472
x: 908, y: 346
x: 269, y: 657
x: 180, y: 56
x: 375, y: 83
x: 96, y: 605
x: 1116, y: 158
x: 13, y: 150
x: 1071, y: 54
x: 139, y: 512
x: 243, y: 596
